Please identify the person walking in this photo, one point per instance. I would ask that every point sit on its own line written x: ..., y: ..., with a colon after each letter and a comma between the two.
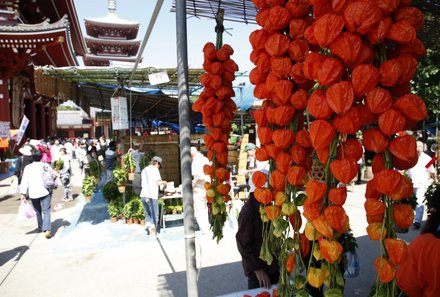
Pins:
x: 22, y: 161
x: 137, y: 156
x: 199, y: 191
x: 419, y: 275
x: 65, y: 175
x: 32, y: 185
x: 110, y: 161
x: 150, y: 183
x: 421, y: 176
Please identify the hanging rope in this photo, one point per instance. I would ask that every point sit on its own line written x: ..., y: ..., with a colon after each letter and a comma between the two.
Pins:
x: 219, y: 28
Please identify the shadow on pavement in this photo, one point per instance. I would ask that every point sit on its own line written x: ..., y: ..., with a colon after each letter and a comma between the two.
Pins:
x: 6, y: 197
x: 11, y: 254
x: 95, y: 212
x: 58, y: 223
x: 210, y: 281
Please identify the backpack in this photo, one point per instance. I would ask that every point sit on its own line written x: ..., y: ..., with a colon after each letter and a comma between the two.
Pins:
x: 49, y: 178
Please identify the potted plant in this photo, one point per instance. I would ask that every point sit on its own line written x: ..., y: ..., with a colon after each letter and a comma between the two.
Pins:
x: 111, y: 192
x: 135, y: 208
x: 129, y: 165
x: 88, y: 187
x: 120, y: 178
x: 128, y: 212
x: 95, y: 170
x: 115, y: 209
x: 59, y: 164
x: 141, y: 215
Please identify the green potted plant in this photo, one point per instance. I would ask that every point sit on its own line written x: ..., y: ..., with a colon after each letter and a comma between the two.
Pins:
x: 95, y: 170
x: 120, y: 178
x: 129, y: 165
x: 115, y: 209
x: 141, y: 214
x: 136, y: 206
x: 59, y: 164
x: 128, y: 212
x: 110, y: 191
x: 88, y: 187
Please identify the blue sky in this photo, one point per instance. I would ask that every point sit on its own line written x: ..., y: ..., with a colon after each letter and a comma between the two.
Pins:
x: 161, y: 47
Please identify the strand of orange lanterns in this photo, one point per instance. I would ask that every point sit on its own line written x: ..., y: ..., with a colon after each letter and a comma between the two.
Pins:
x: 217, y: 108
x: 354, y: 90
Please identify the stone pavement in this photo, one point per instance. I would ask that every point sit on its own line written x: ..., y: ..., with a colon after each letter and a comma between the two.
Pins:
x: 89, y: 256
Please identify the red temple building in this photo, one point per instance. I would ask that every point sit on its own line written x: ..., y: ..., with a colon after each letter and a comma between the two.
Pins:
x: 111, y: 38
x: 35, y: 33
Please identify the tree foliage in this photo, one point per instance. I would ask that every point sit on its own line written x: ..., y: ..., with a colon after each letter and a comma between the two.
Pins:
x: 426, y: 82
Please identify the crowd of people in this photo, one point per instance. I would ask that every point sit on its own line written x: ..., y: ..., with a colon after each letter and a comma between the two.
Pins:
x: 36, y: 157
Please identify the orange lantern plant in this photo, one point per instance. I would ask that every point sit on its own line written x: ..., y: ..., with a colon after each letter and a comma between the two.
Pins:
x: 362, y: 16
x: 315, y: 190
x: 344, y: 170
x: 378, y: 100
x: 340, y: 96
x: 321, y: 133
x: 330, y: 249
x: 364, y: 78
x: 351, y: 148
x: 318, y: 105
x: 263, y: 195
x: 376, y: 231
x: 327, y: 28
x: 336, y: 217
x: 322, y: 226
x: 391, y: 122
x: 397, y: 250
x: 296, y: 176
x: 375, y: 140
x: 384, y: 269
x: 404, y: 148
x: 403, y: 215
x: 388, y: 181
x: 338, y: 195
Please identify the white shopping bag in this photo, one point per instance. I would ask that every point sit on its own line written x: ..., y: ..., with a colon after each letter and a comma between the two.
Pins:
x: 25, y: 211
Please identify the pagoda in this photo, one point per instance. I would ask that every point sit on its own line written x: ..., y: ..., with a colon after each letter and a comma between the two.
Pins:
x: 111, y: 38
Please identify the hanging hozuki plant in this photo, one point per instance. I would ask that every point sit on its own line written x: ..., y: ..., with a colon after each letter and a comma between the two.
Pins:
x: 349, y: 64
x: 217, y: 108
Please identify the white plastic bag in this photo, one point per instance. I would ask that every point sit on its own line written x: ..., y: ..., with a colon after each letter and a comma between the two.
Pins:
x: 13, y: 188
x: 25, y: 211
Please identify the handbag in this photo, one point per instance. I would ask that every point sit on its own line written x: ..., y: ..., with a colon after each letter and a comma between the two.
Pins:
x: 49, y: 178
x: 25, y: 211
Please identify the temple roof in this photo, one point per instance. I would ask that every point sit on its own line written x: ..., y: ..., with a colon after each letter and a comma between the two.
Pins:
x: 131, y: 42
x: 111, y: 20
x: 47, y: 44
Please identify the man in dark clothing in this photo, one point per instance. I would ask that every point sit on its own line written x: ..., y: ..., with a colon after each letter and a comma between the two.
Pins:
x: 249, y: 241
x: 110, y: 161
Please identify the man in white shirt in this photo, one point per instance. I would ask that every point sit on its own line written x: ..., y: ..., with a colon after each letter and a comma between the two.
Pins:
x: 199, y: 191
x: 150, y: 182
x: 421, y: 177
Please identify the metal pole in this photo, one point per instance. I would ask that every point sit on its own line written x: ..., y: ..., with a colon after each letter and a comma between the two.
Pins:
x: 185, y: 144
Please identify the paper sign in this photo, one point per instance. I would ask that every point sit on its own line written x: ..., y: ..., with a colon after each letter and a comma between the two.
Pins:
x: 158, y: 78
x: 23, y: 126
x: 119, y: 113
